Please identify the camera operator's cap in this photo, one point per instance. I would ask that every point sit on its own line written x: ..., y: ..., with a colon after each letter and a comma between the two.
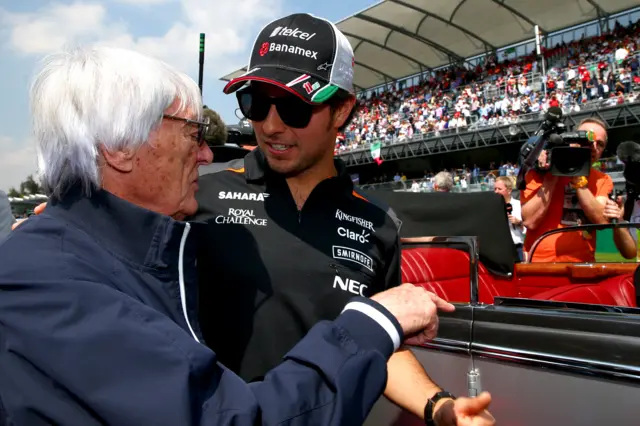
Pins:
x: 303, y: 54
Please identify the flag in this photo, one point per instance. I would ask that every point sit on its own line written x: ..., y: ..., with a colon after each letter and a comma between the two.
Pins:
x: 375, y: 152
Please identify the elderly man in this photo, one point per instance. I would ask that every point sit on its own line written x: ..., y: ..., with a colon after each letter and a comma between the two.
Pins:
x: 97, y: 314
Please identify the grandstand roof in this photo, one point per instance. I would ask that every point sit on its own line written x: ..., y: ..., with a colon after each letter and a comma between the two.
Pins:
x: 397, y: 38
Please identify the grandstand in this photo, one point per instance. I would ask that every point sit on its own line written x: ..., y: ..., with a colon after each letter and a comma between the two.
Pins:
x: 444, y: 84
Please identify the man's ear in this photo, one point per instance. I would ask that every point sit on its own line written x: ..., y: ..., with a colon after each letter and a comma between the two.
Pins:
x: 343, y: 111
x: 121, y: 160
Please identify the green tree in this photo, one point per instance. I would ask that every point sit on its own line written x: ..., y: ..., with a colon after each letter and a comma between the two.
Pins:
x: 13, y: 193
x: 217, y: 133
x: 30, y: 186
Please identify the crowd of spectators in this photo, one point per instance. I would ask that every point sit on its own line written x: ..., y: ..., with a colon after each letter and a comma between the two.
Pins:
x: 602, y: 69
x: 464, y: 176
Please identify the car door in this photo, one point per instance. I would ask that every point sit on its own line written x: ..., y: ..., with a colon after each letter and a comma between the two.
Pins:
x: 556, y: 363
x: 544, y: 362
x: 447, y: 359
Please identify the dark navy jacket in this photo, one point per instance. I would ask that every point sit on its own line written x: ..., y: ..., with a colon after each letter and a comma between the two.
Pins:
x: 97, y: 326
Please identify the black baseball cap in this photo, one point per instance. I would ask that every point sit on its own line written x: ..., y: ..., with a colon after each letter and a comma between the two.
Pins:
x: 303, y: 54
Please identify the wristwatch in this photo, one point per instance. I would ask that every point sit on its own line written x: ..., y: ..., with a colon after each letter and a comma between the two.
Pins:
x: 582, y: 182
x: 428, y: 409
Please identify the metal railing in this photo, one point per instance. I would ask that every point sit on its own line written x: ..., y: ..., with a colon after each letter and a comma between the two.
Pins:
x: 588, y: 106
x: 423, y: 185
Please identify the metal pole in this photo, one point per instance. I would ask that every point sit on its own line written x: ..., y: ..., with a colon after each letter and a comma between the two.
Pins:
x: 201, y: 62
x: 539, y: 53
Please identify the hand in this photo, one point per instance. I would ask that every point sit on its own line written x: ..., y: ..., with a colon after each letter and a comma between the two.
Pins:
x: 543, y: 160
x: 613, y: 210
x: 513, y: 220
x: 464, y: 411
x: 416, y: 310
x: 39, y: 209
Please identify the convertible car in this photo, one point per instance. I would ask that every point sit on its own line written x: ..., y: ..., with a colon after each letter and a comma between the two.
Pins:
x: 555, y: 344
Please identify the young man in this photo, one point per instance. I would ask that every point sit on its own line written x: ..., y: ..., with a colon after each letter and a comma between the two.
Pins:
x: 290, y: 238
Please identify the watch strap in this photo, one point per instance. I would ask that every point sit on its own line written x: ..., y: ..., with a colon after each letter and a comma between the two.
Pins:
x: 582, y: 183
x: 431, y: 403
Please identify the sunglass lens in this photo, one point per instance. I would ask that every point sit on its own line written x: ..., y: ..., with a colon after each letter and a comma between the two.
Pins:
x: 252, y: 106
x: 294, y: 112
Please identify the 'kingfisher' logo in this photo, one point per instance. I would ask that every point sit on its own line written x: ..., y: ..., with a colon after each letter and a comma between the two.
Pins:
x: 264, y: 49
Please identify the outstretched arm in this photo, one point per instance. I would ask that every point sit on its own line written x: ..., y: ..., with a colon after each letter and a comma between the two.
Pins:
x: 110, y: 359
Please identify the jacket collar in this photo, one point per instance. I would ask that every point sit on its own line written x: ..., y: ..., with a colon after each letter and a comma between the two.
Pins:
x: 131, y: 232
x: 256, y: 168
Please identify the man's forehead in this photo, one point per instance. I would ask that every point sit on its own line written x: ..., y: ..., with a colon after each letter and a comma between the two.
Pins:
x: 177, y: 109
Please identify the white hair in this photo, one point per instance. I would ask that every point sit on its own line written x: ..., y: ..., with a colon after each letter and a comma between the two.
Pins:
x: 443, y: 181
x: 86, y: 97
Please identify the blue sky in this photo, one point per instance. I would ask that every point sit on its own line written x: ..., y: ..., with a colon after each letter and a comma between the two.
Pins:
x: 168, y: 29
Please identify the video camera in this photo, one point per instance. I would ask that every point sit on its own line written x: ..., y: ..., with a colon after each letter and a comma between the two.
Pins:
x: 565, y: 159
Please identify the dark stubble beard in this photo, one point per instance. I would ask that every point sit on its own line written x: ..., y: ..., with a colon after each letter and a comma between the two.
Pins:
x: 303, y: 166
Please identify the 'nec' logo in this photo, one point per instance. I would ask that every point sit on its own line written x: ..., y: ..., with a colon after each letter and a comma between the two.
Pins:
x: 352, y: 286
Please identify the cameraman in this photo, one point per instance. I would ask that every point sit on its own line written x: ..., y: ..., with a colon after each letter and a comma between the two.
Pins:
x: 552, y: 202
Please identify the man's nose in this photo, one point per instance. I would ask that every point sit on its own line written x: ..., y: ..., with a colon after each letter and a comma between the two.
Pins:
x: 205, y: 155
x: 273, y: 123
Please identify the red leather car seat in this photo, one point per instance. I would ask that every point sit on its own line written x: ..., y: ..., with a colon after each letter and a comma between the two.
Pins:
x: 445, y: 271
x: 614, y: 291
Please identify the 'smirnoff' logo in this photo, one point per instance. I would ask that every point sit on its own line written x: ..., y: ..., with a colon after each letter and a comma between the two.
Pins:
x: 264, y: 49
x: 352, y: 255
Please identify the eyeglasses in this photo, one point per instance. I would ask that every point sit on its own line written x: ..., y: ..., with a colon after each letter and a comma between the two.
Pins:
x: 292, y: 111
x: 203, y: 126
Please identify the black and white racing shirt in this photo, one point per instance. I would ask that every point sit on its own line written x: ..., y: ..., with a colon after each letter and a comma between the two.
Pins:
x: 269, y: 272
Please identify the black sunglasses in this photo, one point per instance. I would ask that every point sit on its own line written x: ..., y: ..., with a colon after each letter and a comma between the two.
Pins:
x: 293, y: 112
x: 203, y: 126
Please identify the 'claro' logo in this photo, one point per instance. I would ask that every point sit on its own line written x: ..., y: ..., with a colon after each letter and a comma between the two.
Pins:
x: 362, y: 238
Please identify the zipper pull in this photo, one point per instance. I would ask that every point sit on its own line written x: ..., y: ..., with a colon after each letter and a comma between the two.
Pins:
x: 335, y: 268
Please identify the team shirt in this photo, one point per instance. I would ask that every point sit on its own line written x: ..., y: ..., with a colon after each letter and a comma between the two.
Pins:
x: 269, y: 272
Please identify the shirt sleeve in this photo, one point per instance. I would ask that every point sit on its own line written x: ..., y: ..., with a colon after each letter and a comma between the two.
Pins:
x: 533, y: 182
x: 85, y: 354
x: 604, y: 186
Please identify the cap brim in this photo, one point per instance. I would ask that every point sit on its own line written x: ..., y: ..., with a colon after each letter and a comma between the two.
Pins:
x: 308, y: 88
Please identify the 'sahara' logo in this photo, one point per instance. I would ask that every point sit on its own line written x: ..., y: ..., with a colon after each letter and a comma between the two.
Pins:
x: 245, y: 196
